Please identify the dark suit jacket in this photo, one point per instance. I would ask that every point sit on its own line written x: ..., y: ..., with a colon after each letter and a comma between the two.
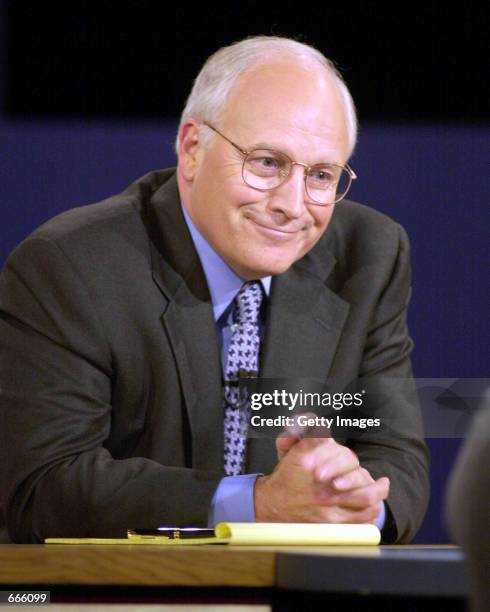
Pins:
x: 110, y: 378
x: 468, y: 506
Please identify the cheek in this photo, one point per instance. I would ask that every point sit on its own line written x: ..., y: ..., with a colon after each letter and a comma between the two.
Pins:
x: 244, y: 195
x: 321, y: 217
x: 237, y: 199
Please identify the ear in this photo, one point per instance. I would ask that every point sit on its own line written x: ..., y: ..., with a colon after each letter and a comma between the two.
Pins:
x: 189, y: 149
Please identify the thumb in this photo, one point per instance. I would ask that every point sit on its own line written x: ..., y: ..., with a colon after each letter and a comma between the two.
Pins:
x: 284, y: 443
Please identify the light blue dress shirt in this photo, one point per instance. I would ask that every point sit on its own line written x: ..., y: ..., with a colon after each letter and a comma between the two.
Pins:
x: 234, y: 498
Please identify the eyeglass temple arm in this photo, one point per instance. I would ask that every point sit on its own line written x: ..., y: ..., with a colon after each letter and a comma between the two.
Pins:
x: 351, y: 172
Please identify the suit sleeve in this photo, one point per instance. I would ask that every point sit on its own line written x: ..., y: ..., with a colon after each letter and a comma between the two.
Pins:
x: 401, y: 454
x: 468, y: 505
x: 56, y: 477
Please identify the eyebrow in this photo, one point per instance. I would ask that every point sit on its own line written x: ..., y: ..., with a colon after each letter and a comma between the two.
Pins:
x: 263, y: 145
x: 267, y: 145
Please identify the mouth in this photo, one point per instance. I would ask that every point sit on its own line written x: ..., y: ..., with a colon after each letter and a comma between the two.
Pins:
x: 274, y: 230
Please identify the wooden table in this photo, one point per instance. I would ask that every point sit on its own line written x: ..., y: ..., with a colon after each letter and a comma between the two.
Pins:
x: 201, y: 566
x: 278, y: 576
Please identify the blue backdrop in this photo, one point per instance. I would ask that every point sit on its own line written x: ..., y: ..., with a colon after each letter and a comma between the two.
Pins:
x: 431, y: 179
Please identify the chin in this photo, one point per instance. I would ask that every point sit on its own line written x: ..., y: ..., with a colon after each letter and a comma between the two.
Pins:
x: 264, y: 268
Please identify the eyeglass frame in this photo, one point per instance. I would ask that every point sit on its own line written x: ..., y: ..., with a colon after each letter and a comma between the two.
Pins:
x: 307, y: 167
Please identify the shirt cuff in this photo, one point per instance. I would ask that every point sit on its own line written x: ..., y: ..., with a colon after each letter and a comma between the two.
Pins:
x: 233, y: 500
x: 382, y: 517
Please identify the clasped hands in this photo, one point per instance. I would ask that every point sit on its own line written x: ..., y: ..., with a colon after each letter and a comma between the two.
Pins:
x: 317, y: 480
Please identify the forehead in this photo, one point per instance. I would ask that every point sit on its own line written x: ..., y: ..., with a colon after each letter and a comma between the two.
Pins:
x: 290, y: 105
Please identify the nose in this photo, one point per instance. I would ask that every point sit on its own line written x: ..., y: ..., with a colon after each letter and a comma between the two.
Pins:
x: 289, y: 197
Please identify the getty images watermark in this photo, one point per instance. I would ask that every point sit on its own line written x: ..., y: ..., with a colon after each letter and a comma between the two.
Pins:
x: 282, y: 400
x: 378, y: 406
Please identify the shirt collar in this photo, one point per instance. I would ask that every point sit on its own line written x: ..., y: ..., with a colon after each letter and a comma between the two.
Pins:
x: 223, y: 282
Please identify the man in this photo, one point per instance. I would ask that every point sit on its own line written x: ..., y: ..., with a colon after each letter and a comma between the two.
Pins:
x: 120, y: 324
x: 468, y: 505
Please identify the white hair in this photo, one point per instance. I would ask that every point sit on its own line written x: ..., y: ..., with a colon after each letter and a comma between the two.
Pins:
x: 213, y: 84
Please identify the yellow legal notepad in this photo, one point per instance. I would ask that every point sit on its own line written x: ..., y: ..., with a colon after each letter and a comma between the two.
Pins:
x: 256, y: 534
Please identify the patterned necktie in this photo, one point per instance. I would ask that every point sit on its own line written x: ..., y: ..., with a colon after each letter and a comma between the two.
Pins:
x: 242, y: 361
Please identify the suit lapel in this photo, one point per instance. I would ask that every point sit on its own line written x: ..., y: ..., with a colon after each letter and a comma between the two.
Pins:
x: 304, y: 324
x: 189, y: 324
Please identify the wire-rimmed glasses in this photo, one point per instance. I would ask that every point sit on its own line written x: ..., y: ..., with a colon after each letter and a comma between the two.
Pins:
x: 265, y: 169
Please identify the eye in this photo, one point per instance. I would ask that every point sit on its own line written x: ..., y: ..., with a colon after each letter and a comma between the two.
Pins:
x: 268, y: 162
x: 265, y: 163
x: 321, y: 175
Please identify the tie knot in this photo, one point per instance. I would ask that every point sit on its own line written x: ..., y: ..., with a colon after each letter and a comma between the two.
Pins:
x: 248, y: 301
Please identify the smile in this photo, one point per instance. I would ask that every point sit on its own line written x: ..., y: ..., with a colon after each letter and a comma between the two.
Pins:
x: 274, y: 231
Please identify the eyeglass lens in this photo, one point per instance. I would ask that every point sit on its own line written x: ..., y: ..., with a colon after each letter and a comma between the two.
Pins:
x: 265, y: 169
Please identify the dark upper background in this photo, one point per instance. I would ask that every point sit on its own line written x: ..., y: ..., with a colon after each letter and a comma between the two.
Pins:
x: 90, y: 93
x: 417, y: 62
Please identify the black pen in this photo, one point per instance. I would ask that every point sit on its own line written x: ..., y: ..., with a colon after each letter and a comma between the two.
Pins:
x: 172, y: 533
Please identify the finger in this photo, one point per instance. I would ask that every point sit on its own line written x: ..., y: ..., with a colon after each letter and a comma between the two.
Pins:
x: 351, y: 515
x: 363, y: 497
x: 292, y: 434
x: 312, y: 430
x: 317, y: 451
x: 375, y: 518
x: 301, y: 428
x: 333, y: 460
x: 352, y: 480
x: 371, y: 514
x: 302, y: 447
x: 297, y: 429
x: 284, y: 444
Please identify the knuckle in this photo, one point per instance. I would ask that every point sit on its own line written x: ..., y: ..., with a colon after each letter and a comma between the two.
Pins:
x: 366, y: 476
x: 330, y: 515
x: 383, y: 486
x: 329, y: 443
x: 311, y: 444
x: 371, y: 514
x: 353, y: 458
x: 369, y: 498
x: 351, y: 479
